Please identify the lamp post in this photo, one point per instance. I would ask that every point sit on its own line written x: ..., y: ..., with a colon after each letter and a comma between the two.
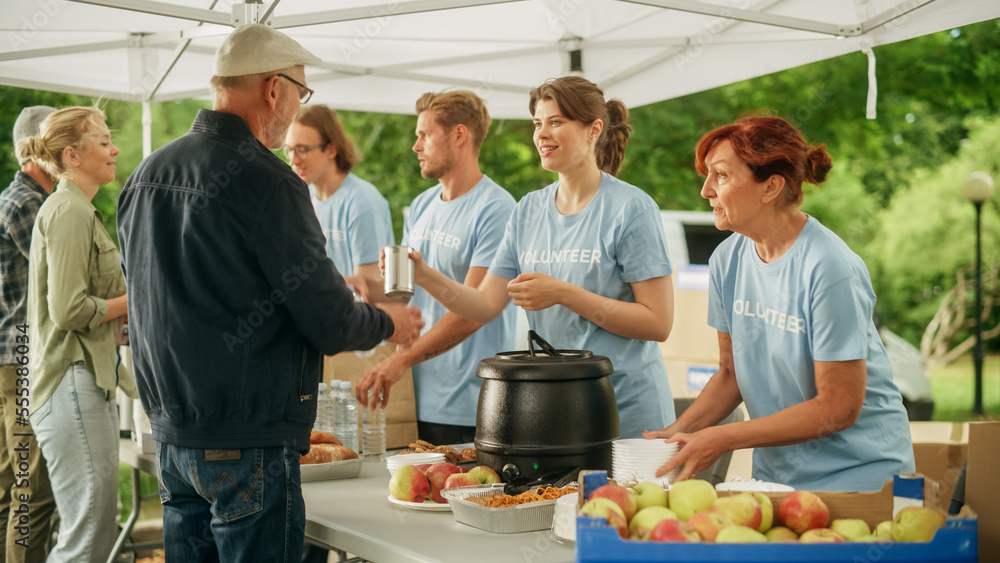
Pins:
x: 978, y: 188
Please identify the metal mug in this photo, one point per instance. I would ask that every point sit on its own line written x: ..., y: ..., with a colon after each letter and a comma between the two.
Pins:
x: 398, y: 272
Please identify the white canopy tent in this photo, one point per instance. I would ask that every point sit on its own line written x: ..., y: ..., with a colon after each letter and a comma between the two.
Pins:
x: 381, y: 55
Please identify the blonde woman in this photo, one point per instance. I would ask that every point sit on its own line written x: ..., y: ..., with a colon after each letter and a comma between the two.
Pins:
x: 76, y: 296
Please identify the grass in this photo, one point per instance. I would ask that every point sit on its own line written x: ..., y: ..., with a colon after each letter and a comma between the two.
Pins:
x: 151, y: 508
x: 953, y: 387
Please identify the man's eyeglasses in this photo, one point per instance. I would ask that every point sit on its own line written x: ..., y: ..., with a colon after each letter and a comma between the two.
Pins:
x: 301, y: 150
x: 305, y: 92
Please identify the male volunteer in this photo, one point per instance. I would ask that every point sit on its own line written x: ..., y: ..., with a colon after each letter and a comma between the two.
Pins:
x: 456, y: 226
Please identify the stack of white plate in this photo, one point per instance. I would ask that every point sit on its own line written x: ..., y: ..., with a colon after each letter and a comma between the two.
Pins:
x: 564, y: 517
x: 637, y: 459
x: 392, y: 463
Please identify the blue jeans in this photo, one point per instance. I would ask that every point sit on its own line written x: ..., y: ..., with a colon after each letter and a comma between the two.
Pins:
x: 77, y: 430
x: 231, y: 505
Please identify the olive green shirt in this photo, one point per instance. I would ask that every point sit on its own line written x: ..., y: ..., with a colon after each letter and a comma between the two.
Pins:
x: 73, y: 270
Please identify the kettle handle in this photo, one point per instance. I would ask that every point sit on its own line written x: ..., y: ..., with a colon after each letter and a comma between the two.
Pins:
x: 545, y: 346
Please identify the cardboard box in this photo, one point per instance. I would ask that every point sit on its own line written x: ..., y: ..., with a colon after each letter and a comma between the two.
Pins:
x: 982, y: 491
x: 939, y: 450
x: 596, y: 542
x: 401, y: 414
x: 691, y: 338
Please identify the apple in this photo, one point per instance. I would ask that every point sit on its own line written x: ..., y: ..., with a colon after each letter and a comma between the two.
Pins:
x: 675, y: 531
x: 821, y: 535
x: 423, y: 467
x: 740, y: 534
x: 609, y: 510
x: 883, y: 531
x: 743, y: 509
x: 645, y: 520
x: 853, y: 529
x: 620, y: 495
x: 460, y: 480
x: 437, y: 474
x: 781, y: 534
x: 649, y: 494
x: 766, y: 511
x: 410, y: 484
x: 916, y: 523
x: 690, y: 496
x: 484, y: 475
x: 803, y: 510
x: 708, y: 523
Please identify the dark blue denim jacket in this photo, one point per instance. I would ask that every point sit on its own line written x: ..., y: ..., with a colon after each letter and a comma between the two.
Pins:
x: 231, y: 298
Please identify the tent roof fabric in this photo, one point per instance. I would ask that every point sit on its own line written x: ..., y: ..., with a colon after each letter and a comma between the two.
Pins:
x: 381, y: 56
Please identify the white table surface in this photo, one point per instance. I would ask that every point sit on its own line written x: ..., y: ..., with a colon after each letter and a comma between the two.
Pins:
x: 354, y: 515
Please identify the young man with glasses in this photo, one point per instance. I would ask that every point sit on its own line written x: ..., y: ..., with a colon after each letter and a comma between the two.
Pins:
x: 353, y: 214
x: 232, y: 305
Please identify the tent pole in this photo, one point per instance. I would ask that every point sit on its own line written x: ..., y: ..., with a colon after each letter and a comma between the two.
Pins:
x: 147, y: 129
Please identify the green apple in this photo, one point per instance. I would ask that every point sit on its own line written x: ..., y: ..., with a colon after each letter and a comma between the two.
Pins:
x: 649, y: 494
x: 781, y: 534
x: 743, y: 509
x: 484, y: 475
x: 766, y: 511
x: 883, y: 528
x: 645, y: 520
x: 609, y: 510
x: 740, y: 534
x: 853, y: 529
x: 410, y: 484
x: 689, y: 496
x: 821, y: 535
x: 916, y: 523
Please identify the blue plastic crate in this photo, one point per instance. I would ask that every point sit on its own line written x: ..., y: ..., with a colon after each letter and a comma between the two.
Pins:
x: 596, y: 542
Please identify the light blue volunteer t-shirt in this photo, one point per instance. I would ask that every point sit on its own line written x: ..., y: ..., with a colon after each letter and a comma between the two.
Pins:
x: 616, y: 240
x: 356, y: 223
x: 453, y: 236
x: 813, y: 303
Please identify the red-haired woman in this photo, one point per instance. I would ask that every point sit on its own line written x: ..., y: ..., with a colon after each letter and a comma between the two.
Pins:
x: 793, y: 307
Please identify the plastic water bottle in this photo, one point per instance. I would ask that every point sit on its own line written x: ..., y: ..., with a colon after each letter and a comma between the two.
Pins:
x: 347, y: 417
x: 324, y: 410
x: 374, y: 429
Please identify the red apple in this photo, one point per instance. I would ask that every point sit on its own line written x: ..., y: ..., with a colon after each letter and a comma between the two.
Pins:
x: 620, y: 495
x: 674, y: 531
x: 743, y: 509
x: 803, y: 510
x: 484, y: 475
x: 423, y: 467
x: 460, y: 480
x: 708, y: 523
x: 437, y: 474
x: 409, y: 484
x: 821, y: 535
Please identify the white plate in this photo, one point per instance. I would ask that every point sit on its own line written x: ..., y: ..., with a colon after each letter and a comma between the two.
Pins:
x: 762, y: 486
x: 334, y: 470
x: 428, y: 506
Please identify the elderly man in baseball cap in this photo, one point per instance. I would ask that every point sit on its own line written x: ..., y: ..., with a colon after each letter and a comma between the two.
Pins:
x: 19, y: 205
x: 232, y: 305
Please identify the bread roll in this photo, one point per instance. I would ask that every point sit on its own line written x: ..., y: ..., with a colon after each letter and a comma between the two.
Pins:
x: 325, y: 453
x: 317, y: 437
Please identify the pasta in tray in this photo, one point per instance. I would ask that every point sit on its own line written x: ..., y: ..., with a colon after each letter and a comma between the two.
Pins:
x: 500, y: 500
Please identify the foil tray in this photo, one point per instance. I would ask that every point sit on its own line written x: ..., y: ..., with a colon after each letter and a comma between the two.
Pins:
x: 527, y: 517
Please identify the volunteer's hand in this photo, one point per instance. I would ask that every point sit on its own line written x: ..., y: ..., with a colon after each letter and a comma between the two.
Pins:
x: 534, y: 291
x: 698, y: 451
x: 407, y: 320
x: 380, y: 378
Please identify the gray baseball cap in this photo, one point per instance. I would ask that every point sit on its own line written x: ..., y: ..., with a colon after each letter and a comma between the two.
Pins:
x: 256, y: 48
x: 29, y: 123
